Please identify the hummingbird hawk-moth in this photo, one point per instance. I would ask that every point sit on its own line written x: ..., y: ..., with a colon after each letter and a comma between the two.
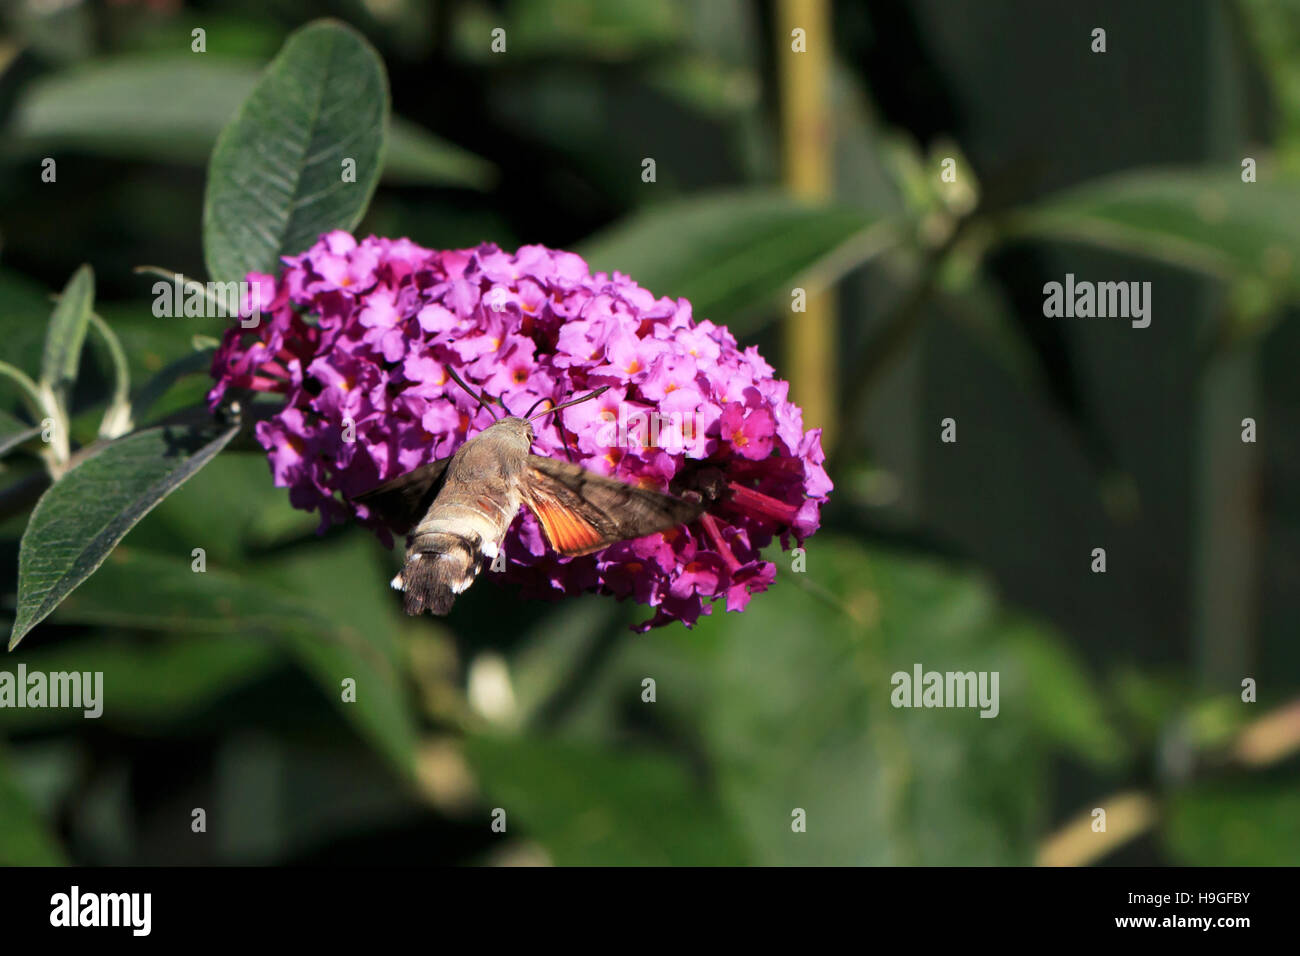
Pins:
x: 458, y: 509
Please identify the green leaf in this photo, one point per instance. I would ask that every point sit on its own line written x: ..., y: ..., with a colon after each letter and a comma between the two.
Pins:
x: 797, y: 712
x: 67, y: 333
x: 417, y: 157
x: 194, y: 363
x: 733, y: 254
x: 1205, y: 220
x: 788, y: 706
x: 134, y: 107
x: 330, y: 608
x: 173, y: 109
x: 275, y: 181
x: 601, y: 807
x: 237, y: 487
x: 347, y: 586
x: 1067, y: 710
x: 141, y: 590
x: 83, y: 516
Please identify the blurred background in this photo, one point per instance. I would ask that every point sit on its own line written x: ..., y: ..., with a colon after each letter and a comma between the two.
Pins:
x: 776, y: 169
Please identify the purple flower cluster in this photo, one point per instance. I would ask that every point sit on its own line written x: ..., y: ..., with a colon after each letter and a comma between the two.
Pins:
x: 358, y: 337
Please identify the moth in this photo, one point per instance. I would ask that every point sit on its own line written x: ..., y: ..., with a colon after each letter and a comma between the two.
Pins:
x: 460, y: 508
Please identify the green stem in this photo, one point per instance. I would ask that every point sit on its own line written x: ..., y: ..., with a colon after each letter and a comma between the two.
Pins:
x: 117, y: 417
x: 31, y: 394
x: 42, y: 403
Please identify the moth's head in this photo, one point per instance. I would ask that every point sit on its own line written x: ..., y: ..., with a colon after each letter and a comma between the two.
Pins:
x: 515, y: 430
x: 520, y: 430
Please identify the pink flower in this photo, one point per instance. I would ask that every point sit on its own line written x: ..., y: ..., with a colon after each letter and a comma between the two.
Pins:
x: 358, y: 338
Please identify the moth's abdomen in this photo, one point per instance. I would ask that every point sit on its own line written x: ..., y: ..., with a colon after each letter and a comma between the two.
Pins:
x: 447, y: 548
x: 438, y: 567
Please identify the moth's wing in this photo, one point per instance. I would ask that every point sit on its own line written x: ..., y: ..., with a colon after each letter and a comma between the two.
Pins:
x: 402, y: 501
x: 582, y: 512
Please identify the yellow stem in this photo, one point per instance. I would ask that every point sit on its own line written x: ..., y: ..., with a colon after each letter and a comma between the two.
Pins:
x: 804, y: 61
x: 1128, y: 815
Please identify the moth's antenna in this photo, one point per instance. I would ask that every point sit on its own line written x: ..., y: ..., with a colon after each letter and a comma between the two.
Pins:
x: 479, y: 398
x: 564, y: 437
x: 575, y: 401
x: 528, y: 414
